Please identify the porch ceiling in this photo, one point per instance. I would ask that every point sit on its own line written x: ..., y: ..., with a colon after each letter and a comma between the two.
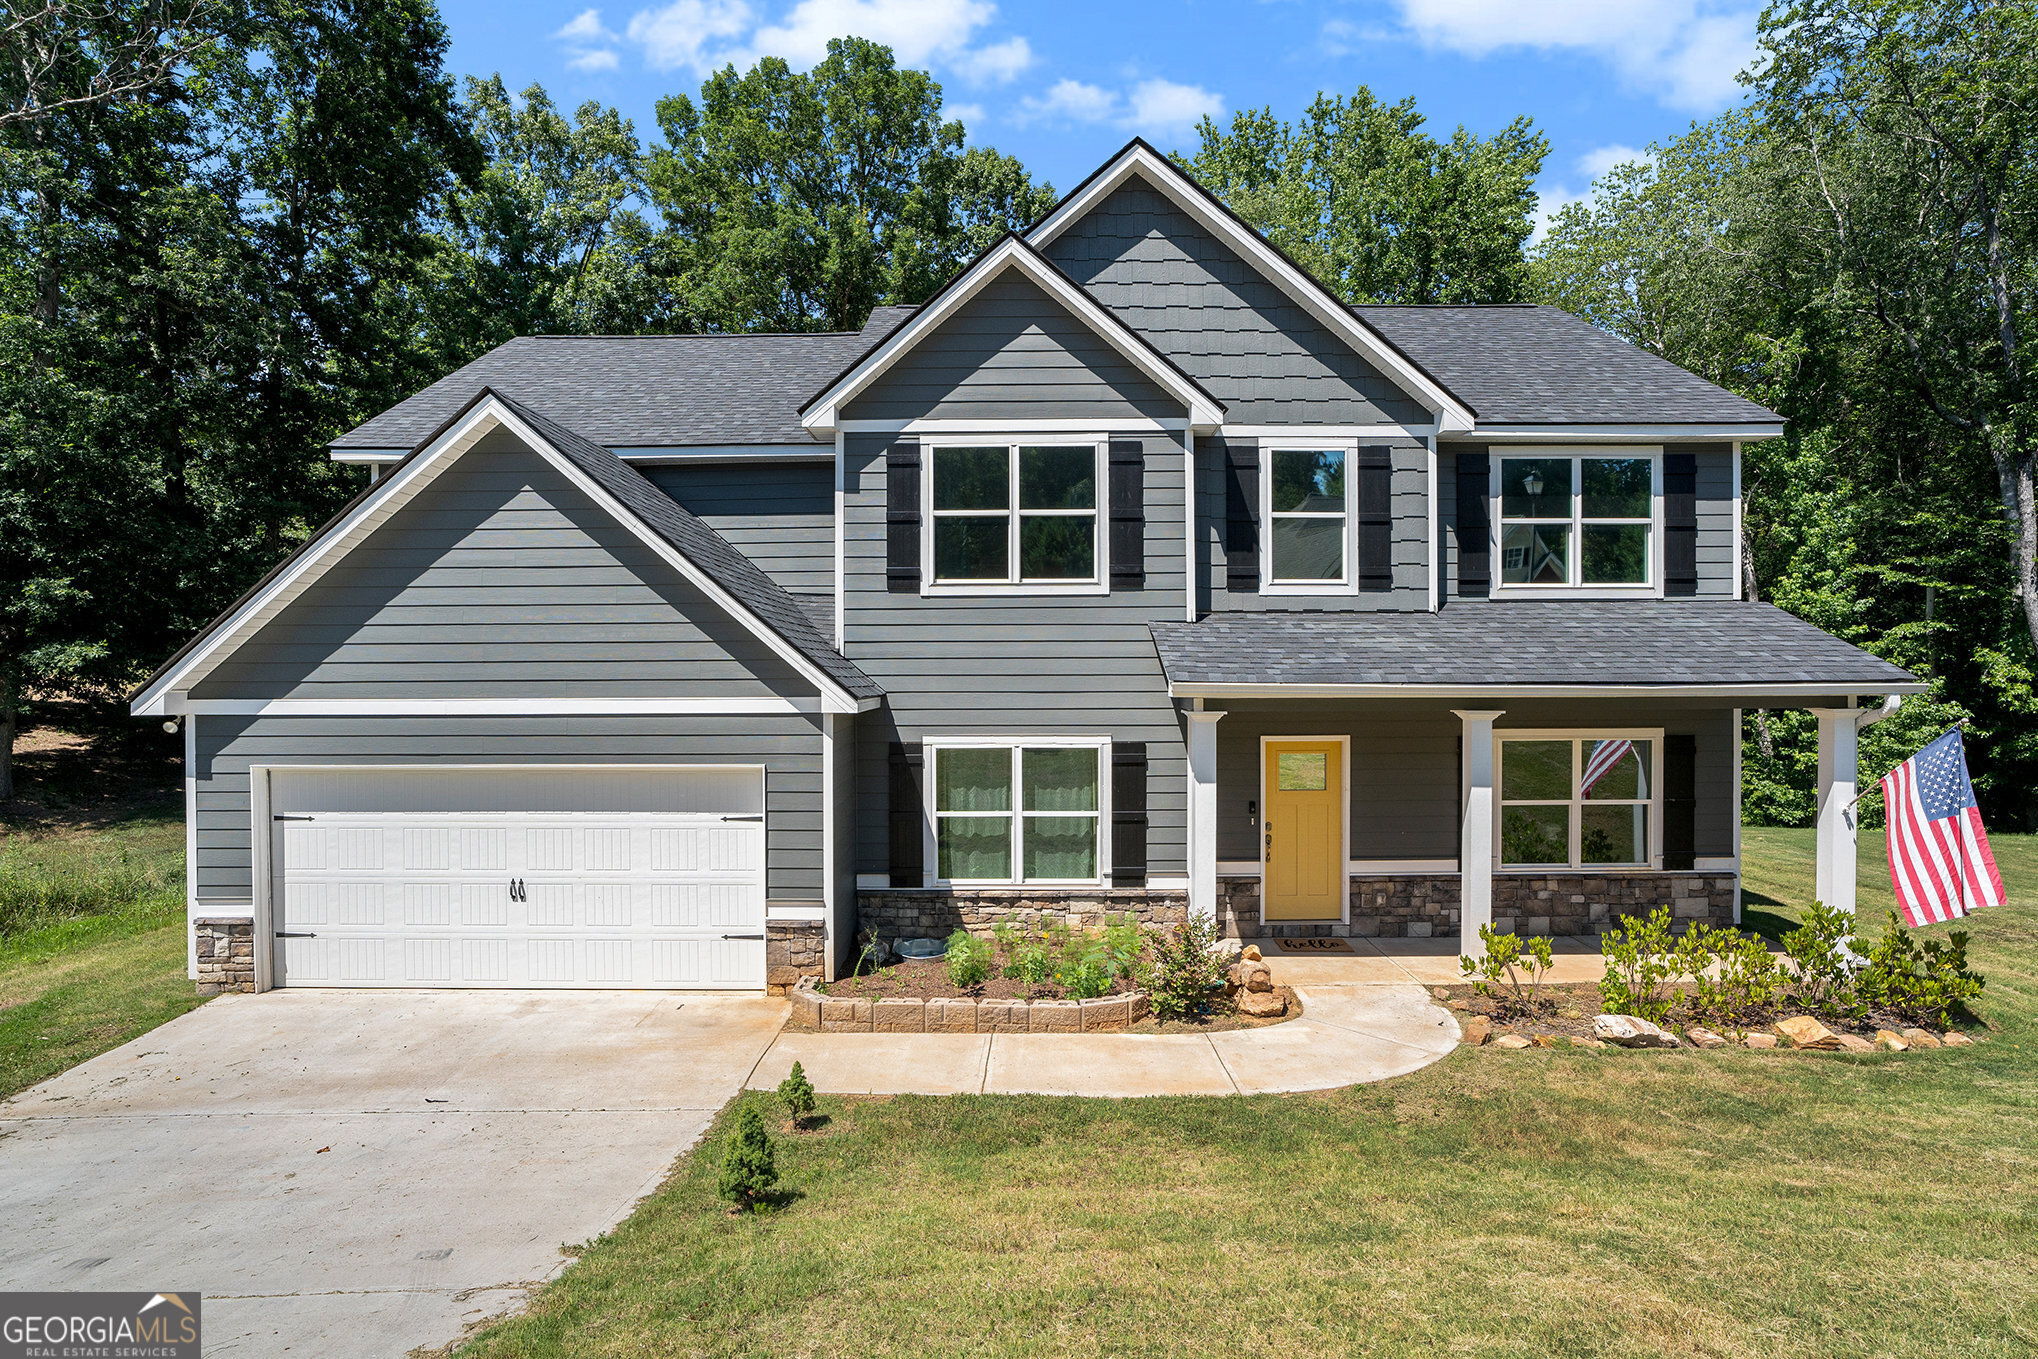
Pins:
x: 1680, y: 647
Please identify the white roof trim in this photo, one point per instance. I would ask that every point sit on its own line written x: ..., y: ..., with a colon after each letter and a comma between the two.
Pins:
x: 1139, y: 159
x: 1611, y: 434
x: 179, y: 702
x: 1190, y: 689
x: 395, y: 491
x: 823, y: 412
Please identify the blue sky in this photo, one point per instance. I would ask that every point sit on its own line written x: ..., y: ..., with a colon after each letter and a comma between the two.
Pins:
x: 1063, y: 83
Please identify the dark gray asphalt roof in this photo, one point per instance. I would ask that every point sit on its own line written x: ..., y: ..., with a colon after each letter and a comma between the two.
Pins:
x: 644, y: 391
x: 1477, y: 645
x: 710, y: 551
x: 1542, y: 365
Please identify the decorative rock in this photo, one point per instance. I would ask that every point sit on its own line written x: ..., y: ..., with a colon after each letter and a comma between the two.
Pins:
x: 1629, y: 1032
x: 1704, y: 1038
x: 1104, y: 1012
x: 1956, y: 1039
x: 1262, y: 1004
x: 1256, y: 977
x: 845, y: 1016
x: 1481, y: 1005
x: 1002, y: 1016
x: 1511, y: 1041
x: 1547, y: 1040
x: 951, y: 1016
x: 1227, y: 948
x: 1054, y: 1016
x: 1890, y: 1042
x: 1440, y: 993
x: 1760, y: 1040
x: 899, y: 1016
x: 1459, y: 1005
x: 1805, y: 1032
x: 1854, y: 1042
x: 1587, y: 1043
x: 1252, y: 953
x: 1477, y: 1030
x: 1922, y: 1038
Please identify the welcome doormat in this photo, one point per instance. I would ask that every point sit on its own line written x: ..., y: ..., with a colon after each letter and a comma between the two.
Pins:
x: 1313, y: 946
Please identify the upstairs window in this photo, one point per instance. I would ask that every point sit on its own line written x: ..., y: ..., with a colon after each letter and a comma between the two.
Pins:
x: 1307, y: 512
x: 1577, y: 520
x: 1578, y: 801
x: 1015, y: 514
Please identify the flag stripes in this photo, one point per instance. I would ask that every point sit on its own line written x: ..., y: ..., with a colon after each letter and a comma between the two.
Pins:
x: 1940, y: 863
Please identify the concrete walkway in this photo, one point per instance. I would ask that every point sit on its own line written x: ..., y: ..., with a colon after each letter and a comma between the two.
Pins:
x: 1349, y: 1033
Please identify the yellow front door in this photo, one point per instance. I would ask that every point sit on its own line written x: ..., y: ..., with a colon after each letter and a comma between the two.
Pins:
x: 1304, y: 830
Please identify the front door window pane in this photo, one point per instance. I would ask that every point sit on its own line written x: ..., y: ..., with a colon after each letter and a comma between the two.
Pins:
x: 1536, y: 554
x: 1614, y: 833
x: 970, y: 547
x: 1535, y: 771
x: 1301, y: 771
x: 1616, y: 554
x: 1535, y: 488
x: 1535, y: 835
x: 970, y: 479
x: 1616, y: 488
x: 1309, y: 549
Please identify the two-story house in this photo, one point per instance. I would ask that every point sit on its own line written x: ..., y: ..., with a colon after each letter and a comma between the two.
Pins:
x: 1132, y: 572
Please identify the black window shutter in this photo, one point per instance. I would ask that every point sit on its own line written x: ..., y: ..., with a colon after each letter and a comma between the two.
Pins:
x: 1128, y: 814
x: 1475, y: 532
x: 1680, y: 800
x: 1242, y: 515
x: 1680, y: 524
x: 908, y: 854
x: 1376, y: 518
x: 1128, y: 514
x: 902, y: 517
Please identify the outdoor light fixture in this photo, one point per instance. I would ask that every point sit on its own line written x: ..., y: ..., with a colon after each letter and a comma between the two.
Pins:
x: 171, y: 726
x: 1533, y: 483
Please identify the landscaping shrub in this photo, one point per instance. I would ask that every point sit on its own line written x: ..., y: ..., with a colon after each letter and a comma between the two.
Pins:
x: 969, y: 960
x: 1123, y: 940
x: 1734, y: 981
x: 1179, y: 971
x: 749, y: 1164
x: 1824, y: 980
x: 1086, y: 975
x: 1507, y: 958
x: 1920, y: 982
x: 1031, y: 963
x: 797, y: 1092
x: 1639, y: 966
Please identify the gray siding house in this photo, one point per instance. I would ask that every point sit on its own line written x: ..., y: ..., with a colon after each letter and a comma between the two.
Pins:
x: 1131, y: 573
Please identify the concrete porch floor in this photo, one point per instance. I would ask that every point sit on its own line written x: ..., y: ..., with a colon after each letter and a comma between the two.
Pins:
x: 1427, y: 962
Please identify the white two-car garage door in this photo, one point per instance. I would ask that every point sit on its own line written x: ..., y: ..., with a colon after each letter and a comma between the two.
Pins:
x: 518, y: 877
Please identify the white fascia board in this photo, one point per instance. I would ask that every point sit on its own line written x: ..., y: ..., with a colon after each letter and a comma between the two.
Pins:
x: 1773, y: 691
x: 1380, y: 431
x: 822, y: 413
x: 484, y: 707
x: 1613, y: 434
x: 726, y: 453
x: 394, y: 492
x: 1141, y: 424
x: 369, y: 455
x: 1306, y: 291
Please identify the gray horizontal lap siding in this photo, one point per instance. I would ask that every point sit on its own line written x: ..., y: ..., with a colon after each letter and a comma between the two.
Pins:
x: 1717, y: 562
x: 780, y: 515
x: 788, y: 746
x: 1411, y: 555
x: 1012, y: 352
x: 1194, y: 299
x: 502, y: 579
x: 1015, y: 664
x: 1405, y: 765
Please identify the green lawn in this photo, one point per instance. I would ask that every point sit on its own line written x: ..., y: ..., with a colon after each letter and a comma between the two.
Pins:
x: 1555, y: 1203
x: 91, y: 943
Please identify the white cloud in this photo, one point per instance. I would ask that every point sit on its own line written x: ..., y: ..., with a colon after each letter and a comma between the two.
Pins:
x: 1597, y: 162
x: 1070, y: 101
x: 1684, y: 52
x: 1159, y: 107
x: 682, y: 32
x: 998, y: 63
x: 1164, y: 106
x: 1552, y: 197
x: 969, y: 115
x: 1343, y: 38
x: 589, y: 45
x: 1550, y: 202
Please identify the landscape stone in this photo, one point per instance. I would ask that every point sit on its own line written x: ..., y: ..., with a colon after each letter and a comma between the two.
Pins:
x: 847, y: 1015
x: 1854, y: 1042
x: 1630, y: 1032
x: 1511, y: 1041
x: 1922, y: 1038
x: 1054, y: 1016
x: 1760, y: 1040
x: 1262, y: 1004
x: 1477, y: 1030
x: 1956, y: 1039
x: 1138, y: 1006
x: 1890, y: 1042
x: 1252, y: 953
x: 1440, y: 993
x: 1705, y: 1038
x: 1460, y: 1005
x: 1103, y: 1013
x: 899, y: 1016
x: 1002, y: 1016
x: 1256, y: 977
x: 951, y: 1016
x: 806, y: 1005
x: 1805, y: 1032
x: 1547, y: 1040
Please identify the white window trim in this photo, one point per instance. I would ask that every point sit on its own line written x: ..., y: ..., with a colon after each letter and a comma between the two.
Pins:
x: 1099, y: 584
x: 1577, y: 736
x: 1348, y: 582
x: 1653, y: 589
x: 930, y: 844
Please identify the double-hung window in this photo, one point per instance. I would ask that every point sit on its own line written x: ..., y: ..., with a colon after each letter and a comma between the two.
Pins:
x: 1585, y: 520
x: 1308, y: 518
x: 1028, y: 811
x: 1579, y: 801
x: 1016, y: 513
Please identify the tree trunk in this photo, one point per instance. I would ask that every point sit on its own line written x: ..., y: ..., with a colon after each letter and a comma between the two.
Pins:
x: 7, y: 725
x: 2014, y: 474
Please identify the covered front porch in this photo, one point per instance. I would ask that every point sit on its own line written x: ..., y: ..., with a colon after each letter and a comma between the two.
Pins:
x: 1414, y: 777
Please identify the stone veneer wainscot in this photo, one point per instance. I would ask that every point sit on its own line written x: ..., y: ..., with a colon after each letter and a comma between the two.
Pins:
x: 903, y: 913
x: 1420, y: 906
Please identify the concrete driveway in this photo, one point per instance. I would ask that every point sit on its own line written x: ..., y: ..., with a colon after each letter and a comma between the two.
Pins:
x: 355, y: 1173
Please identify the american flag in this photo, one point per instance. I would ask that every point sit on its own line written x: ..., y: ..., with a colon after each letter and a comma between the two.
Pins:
x: 1939, y: 859
x: 1605, y: 757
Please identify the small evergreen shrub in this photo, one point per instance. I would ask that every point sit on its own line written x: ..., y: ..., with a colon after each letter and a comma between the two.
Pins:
x: 1734, y: 979
x: 749, y: 1163
x: 1920, y: 982
x: 969, y: 960
x: 1639, y: 964
x: 1179, y: 971
x: 797, y: 1093
x: 1508, y: 956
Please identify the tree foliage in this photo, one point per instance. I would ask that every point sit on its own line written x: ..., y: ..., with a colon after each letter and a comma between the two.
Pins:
x: 1357, y: 193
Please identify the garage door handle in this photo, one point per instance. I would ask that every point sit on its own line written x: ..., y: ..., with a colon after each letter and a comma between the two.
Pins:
x: 294, y: 934
x: 742, y: 936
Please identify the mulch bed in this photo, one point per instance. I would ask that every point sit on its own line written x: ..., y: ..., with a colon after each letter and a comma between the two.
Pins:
x: 1568, y: 1011
x: 927, y: 979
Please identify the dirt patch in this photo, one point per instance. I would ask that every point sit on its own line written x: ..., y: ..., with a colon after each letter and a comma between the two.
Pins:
x: 81, y: 766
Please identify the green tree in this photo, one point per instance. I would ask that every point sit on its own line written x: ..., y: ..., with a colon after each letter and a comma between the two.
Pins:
x: 749, y: 1162
x: 799, y: 201
x: 1376, y: 208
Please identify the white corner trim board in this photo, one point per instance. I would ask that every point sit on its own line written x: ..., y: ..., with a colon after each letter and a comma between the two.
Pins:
x: 178, y: 702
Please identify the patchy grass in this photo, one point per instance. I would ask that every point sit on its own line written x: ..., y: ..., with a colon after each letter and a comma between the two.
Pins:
x: 1587, y: 1203
x: 91, y: 942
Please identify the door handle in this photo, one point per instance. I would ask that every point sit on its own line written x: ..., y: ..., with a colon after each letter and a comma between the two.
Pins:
x: 516, y: 890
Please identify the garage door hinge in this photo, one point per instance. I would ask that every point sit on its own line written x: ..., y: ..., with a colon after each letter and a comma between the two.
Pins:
x: 759, y: 816
x: 294, y: 934
x: 290, y: 818
x: 742, y: 936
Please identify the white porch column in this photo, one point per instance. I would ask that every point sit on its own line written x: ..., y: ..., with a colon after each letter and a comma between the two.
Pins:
x: 1475, y: 835
x: 1839, y: 731
x: 1203, y: 813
